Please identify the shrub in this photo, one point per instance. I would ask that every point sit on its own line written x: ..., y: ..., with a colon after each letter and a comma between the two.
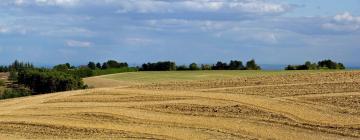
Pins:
x: 13, y: 93
x: 49, y: 81
x: 13, y: 75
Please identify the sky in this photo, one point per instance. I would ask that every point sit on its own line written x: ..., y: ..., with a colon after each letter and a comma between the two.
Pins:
x: 47, y: 32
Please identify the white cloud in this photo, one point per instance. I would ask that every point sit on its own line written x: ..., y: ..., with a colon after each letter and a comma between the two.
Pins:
x: 232, y: 6
x: 139, y: 41
x: 341, y: 27
x: 81, y: 44
x: 46, y: 2
x: 343, y: 22
x: 346, y: 17
x: 4, y: 29
x: 57, y: 2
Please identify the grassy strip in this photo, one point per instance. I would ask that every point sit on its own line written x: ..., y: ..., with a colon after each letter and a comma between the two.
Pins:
x: 112, y: 71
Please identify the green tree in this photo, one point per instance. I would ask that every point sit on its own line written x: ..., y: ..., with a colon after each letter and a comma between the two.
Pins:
x: 62, y: 67
x: 236, y: 65
x: 251, y: 65
x: 98, y: 65
x: 291, y: 67
x: 105, y: 66
x: 193, y: 66
x: 91, y: 65
x: 220, y: 66
x: 341, y: 66
x: 205, y: 67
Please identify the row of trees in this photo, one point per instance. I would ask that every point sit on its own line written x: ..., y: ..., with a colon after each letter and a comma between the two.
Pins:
x: 107, y: 65
x: 16, y: 66
x: 159, y: 66
x: 61, y: 77
x: 170, y: 66
x: 236, y: 65
x: 94, y: 69
x: 325, y: 64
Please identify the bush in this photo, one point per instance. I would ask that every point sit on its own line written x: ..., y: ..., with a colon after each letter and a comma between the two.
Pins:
x: 49, y: 81
x: 13, y: 75
x: 13, y: 93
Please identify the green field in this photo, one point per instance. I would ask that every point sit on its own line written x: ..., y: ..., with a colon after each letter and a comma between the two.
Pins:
x: 163, y: 76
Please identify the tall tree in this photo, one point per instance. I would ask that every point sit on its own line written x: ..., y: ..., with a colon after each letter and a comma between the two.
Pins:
x: 98, y: 65
x: 193, y: 66
x: 92, y: 65
x: 236, y: 65
x: 251, y: 65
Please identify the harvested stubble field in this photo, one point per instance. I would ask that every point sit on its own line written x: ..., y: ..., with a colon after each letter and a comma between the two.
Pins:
x: 193, y: 105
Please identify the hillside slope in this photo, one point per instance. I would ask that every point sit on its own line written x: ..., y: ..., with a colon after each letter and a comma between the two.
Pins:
x: 293, y: 106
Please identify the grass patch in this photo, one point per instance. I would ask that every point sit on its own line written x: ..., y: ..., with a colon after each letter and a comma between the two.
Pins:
x: 163, y: 76
x: 112, y: 71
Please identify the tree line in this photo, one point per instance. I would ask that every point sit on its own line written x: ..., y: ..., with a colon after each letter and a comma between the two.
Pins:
x: 61, y: 77
x: 171, y: 66
x: 16, y: 66
x: 324, y: 64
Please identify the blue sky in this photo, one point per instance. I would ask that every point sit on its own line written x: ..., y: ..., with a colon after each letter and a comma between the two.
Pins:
x: 48, y: 32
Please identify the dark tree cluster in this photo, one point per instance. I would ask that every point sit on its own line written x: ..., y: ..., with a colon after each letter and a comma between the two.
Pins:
x: 4, y: 69
x: 233, y: 65
x: 192, y: 66
x: 159, y: 66
x: 80, y: 72
x: 329, y: 64
x: 107, y: 65
x: 48, y: 81
x: 63, y: 67
x: 325, y: 64
x: 94, y: 69
x: 16, y: 66
x: 236, y: 65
